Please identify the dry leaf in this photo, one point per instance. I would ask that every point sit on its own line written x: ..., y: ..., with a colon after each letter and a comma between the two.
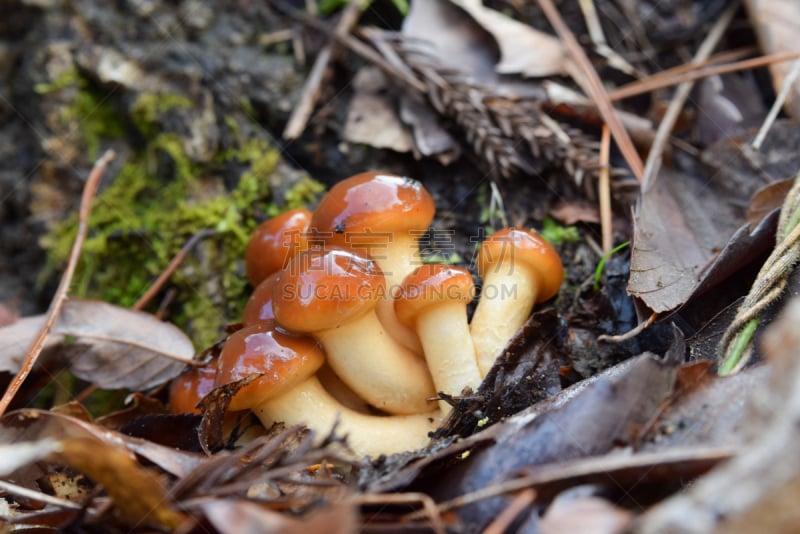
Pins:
x: 114, y: 347
x: 744, y: 491
x: 371, y: 117
x: 139, y: 494
x: 523, y: 49
x: 776, y: 24
x: 587, y: 515
x: 230, y: 516
x: 680, y: 225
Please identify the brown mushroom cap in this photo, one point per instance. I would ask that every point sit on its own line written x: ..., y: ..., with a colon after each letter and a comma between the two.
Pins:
x: 274, y: 242
x: 372, y: 202
x: 259, y: 305
x: 512, y: 247
x: 432, y: 284
x: 190, y: 386
x: 285, y: 360
x: 323, y: 290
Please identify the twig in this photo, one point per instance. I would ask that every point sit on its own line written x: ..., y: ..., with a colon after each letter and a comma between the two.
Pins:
x: 681, y: 94
x: 499, y: 488
x: 604, y: 192
x: 428, y: 505
x: 501, y: 523
x: 599, y: 39
x: 692, y: 72
x: 299, y: 118
x: 630, y: 334
x: 89, y: 190
x: 588, y: 78
x: 776, y: 106
x: 174, y: 263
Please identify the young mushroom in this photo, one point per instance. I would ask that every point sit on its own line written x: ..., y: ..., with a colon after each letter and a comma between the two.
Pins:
x: 383, y: 216
x: 259, y: 305
x: 331, y: 295
x: 287, y: 390
x: 433, y: 300
x: 274, y: 242
x: 518, y: 269
x: 188, y: 388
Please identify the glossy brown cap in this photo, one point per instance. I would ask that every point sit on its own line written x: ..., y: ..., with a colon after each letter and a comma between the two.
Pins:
x: 372, y: 202
x: 284, y: 359
x: 274, y: 242
x: 430, y: 285
x: 190, y: 386
x: 511, y: 247
x: 323, y: 290
x: 259, y: 305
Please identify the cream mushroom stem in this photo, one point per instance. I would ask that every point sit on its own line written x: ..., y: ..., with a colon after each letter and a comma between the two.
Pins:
x: 310, y: 404
x: 507, y: 298
x: 401, y: 384
x: 397, y: 260
x: 449, y: 349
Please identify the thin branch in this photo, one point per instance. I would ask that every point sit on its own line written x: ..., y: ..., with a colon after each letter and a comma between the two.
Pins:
x: 777, y: 105
x: 681, y: 94
x: 89, y: 190
x: 302, y: 111
x: 692, y: 72
x: 589, y: 79
x: 604, y: 192
x: 156, y: 286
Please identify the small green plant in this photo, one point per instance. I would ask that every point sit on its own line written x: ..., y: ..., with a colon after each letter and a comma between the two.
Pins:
x: 598, y: 272
x: 557, y: 234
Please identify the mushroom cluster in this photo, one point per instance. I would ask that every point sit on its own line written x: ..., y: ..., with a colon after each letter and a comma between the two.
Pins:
x: 347, y: 326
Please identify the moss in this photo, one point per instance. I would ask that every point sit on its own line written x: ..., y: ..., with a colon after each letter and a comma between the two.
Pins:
x: 143, y: 218
x: 90, y: 109
x: 148, y: 107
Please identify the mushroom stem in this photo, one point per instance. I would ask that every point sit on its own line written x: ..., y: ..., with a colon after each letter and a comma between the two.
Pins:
x: 449, y: 350
x: 401, y: 384
x: 310, y: 404
x: 495, y: 322
x: 397, y: 261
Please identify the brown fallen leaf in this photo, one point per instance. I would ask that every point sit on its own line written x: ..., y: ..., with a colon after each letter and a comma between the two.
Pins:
x: 33, y: 425
x: 767, y: 199
x: 749, y: 490
x: 109, y: 346
x: 140, y: 495
x: 680, y: 224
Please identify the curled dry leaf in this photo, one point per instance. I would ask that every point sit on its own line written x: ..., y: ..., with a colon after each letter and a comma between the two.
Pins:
x: 518, y: 41
x: 139, y: 494
x: 113, y: 347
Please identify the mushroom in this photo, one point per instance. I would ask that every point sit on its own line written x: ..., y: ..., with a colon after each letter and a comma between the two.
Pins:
x: 259, y: 305
x: 274, y: 242
x: 287, y: 390
x: 382, y: 215
x: 188, y: 388
x: 519, y: 269
x: 331, y: 295
x: 259, y: 309
x: 433, y: 300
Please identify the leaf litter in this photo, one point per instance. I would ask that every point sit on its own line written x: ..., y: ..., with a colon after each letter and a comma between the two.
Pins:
x: 535, y: 447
